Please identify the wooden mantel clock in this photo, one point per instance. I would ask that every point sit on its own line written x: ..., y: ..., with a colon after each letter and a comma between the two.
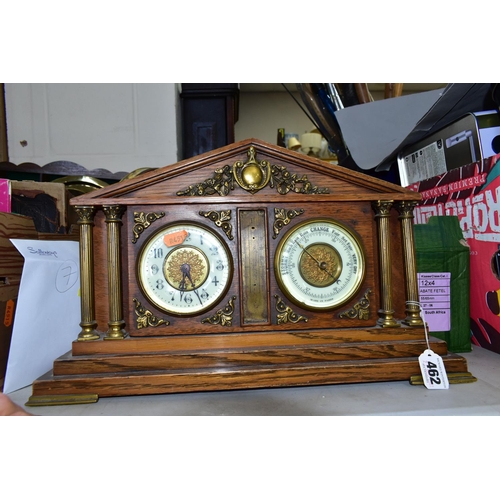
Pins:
x: 248, y: 266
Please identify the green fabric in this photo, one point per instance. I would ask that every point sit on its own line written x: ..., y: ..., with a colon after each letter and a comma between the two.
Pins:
x: 440, y: 247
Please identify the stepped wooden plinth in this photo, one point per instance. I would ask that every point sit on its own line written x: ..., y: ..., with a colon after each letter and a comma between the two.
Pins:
x: 171, y: 365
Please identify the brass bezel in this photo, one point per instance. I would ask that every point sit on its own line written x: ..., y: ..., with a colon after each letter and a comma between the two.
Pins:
x: 355, y: 240
x: 182, y: 225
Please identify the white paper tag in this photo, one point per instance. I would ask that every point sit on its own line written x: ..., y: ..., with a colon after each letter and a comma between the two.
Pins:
x: 434, y: 292
x: 433, y: 370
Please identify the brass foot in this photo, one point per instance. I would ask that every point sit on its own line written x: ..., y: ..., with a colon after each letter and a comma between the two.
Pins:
x: 62, y: 399
x: 453, y: 378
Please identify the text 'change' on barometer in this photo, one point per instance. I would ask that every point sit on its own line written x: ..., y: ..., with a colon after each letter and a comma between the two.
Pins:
x: 320, y: 264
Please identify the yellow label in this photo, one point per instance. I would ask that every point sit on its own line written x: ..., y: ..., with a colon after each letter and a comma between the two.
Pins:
x: 9, y: 313
x: 176, y: 238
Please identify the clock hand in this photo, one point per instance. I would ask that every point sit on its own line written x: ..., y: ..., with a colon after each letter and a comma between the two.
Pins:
x: 321, y: 265
x: 197, y: 294
x: 182, y: 285
x: 186, y: 271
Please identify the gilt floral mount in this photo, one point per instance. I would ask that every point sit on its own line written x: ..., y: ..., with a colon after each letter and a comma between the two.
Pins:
x: 252, y: 176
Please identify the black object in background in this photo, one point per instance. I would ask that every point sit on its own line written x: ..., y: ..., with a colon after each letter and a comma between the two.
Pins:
x: 209, y: 112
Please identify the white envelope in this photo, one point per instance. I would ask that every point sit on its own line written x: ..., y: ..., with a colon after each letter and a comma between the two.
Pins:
x: 48, y: 312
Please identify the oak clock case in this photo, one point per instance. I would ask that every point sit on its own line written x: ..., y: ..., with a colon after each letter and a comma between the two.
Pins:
x: 244, y: 267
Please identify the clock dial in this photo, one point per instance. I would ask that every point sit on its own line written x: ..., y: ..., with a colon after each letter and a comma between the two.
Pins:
x: 184, y: 269
x: 320, y: 264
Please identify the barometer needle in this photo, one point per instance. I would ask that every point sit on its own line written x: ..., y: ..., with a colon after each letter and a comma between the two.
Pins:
x: 321, y: 265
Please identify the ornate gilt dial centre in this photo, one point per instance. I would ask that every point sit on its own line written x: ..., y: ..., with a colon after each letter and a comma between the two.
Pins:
x: 320, y: 265
x: 186, y: 268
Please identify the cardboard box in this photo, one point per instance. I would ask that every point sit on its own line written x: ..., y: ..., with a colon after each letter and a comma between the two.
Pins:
x: 472, y: 194
x: 8, y: 302
x: 444, y: 280
x: 5, y: 195
x: 474, y: 137
x: 11, y: 268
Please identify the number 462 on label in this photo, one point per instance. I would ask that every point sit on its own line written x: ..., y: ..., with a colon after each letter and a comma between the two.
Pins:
x: 433, y: 370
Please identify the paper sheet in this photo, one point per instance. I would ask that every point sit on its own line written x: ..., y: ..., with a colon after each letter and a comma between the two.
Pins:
x: 374, y: 130
x: 48, y: 313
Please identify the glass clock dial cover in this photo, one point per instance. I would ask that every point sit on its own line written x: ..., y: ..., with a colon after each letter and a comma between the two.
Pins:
x: 184, y: 268
x: 320, y: 264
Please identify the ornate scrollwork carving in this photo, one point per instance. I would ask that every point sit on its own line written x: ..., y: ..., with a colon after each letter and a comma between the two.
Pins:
x: 221, y: 183
x: 286, y: 314
x: 282, y: 218
x: 286, y: 182
x: 252, y: 176
x: 147, y: 318
x: 361, y: 310
x: 224, y: 316
x: 143, y: 221
x: 220, y: 219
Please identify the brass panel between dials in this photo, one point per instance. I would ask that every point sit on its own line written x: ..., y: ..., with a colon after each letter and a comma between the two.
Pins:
x: 253, y: 258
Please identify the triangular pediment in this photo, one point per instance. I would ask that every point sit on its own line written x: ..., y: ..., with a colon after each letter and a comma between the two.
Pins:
x: 249, y: 168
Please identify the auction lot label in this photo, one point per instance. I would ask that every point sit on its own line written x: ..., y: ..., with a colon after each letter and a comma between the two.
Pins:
x: 434, y: 292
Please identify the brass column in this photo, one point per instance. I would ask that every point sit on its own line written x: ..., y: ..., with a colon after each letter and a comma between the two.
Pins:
x: 386, y: 313
x: 405, y: 209
x: 116, y: 323
x: 87, y: 300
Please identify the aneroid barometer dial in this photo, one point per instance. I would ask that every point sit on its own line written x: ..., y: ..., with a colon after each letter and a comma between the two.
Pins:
x: 319, y: 264
x: 184, y: 268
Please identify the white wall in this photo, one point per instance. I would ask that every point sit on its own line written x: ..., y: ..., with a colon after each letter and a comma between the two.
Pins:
x: 116, y: 126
